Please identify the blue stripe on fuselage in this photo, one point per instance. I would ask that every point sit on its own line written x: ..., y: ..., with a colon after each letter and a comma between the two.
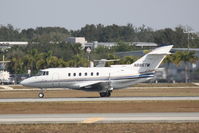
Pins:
x: 147, y: 75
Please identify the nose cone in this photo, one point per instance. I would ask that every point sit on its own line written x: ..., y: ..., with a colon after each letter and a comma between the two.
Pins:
x: 25, y: 82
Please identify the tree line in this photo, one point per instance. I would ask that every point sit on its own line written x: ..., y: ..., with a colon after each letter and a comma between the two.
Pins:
x: 47, y: 46
x: 101, y: 33
x: 34, y: 58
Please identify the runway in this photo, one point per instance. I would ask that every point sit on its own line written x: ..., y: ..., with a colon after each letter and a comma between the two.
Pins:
x: 99, y: 118
x: 90, y: 99
x: 10, y: 88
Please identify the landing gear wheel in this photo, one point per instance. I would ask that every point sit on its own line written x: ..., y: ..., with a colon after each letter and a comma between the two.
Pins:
x: 41, y: 95
x: 105, y: 94
x: 108, y: 94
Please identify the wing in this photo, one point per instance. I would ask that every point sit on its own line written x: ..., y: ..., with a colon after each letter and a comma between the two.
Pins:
x: 89, y: 83
x: 95, y: 86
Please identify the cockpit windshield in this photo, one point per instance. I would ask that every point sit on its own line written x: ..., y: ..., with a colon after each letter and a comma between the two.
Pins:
x: 42, y: 73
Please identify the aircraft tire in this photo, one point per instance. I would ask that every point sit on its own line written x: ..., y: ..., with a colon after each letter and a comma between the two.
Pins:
x: 108, y: 94
x: 41, y: 95
x: 105, y: 94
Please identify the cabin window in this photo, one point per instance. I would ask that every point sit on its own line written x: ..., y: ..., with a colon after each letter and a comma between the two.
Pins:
x: 91, y: 73
x: 46, y: 73
x: 80, y: 74
x: 85, y: 74
x: 39, y: 73
x: 74, y: 74
x: 68, y: 74
x: 97, y: 73
x: 42, y: 73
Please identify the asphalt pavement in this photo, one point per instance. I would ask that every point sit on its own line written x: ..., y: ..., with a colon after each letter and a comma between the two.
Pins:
x: 90, y: 99
x: 99, y: 118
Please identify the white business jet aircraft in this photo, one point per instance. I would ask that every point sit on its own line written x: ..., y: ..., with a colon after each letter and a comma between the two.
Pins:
x: 100, y: 79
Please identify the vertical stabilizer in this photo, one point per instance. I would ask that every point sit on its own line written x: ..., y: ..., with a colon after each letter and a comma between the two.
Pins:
x: 151, y: 61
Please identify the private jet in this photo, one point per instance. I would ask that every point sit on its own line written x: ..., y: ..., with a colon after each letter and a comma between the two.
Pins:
x: 100, y: 79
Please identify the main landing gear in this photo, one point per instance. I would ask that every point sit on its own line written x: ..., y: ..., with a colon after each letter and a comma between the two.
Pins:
x: 41, y: 93
x: 105, y: 94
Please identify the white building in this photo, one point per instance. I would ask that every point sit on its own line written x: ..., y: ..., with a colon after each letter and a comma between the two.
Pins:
x: 80, y: 40
x: 144, y: 44
x: 96, y: 44
x: 8, y: 43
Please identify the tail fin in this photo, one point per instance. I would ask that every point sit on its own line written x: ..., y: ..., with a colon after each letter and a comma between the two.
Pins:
x: 151, y: 61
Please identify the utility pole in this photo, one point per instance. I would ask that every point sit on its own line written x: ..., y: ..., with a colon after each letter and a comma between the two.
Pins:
x: 187, y: 68
x: 88, y: 50
x: 188, y: 32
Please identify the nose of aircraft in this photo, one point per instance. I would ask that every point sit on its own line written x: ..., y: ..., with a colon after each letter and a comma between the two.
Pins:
x: 24, y: 82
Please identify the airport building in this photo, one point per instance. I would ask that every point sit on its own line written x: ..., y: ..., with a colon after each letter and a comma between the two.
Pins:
x: 144, y: 44
x: 80, y: 40
x: 96, y: 44
x: 10, y: 44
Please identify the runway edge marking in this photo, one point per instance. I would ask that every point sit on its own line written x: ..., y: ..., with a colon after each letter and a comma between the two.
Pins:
x: 92, y: 120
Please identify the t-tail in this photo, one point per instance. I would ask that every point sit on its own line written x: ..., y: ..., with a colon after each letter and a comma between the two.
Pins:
x: 151, y: 61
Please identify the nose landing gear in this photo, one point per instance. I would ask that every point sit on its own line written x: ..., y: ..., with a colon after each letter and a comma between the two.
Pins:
x: 41, y: 93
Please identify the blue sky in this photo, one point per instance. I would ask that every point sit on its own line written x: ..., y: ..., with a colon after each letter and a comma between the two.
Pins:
x: 74, y: 14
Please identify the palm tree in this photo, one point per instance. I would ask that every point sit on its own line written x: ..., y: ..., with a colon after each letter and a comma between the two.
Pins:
x: 78, y: 61
x: 186, y: 57
x: 168, y: 61
x: 32, y: 56
x: 76, y: 48
x: 52, y: 61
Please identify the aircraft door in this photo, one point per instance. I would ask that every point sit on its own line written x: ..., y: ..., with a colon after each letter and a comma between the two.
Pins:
x: 110, y: 86
x: 44, y: 79
x: 55, y: 80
